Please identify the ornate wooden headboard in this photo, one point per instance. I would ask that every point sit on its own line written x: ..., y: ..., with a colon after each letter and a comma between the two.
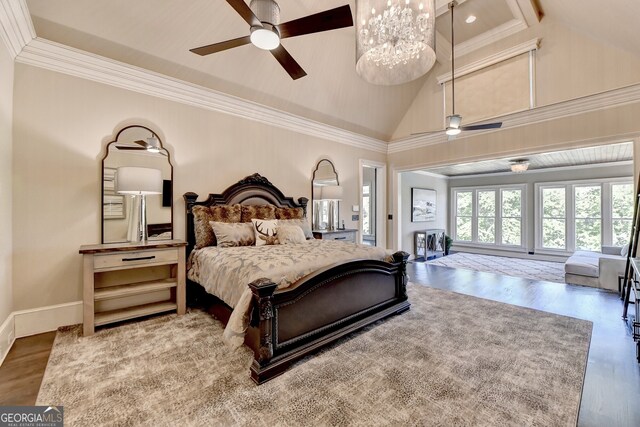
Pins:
x: 252, y: 190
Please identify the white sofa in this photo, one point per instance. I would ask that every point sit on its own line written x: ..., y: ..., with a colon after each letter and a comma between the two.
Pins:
x: 596, y: 269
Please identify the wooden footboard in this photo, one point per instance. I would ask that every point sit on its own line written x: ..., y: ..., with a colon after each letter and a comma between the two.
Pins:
x: 288, y: 324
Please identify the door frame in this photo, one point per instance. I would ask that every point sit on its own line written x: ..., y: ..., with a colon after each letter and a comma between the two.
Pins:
x: 381, y: 200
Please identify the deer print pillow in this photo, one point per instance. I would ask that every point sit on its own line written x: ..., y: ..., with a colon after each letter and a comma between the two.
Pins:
x: 266, y: 231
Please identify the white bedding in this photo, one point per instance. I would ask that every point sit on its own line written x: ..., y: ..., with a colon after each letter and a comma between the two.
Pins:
x: 226, y: 272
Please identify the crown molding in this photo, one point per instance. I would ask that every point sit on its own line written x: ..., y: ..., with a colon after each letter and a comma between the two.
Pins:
x: 490, y: 60
x: 601, y: 101
x: 16, y: 28
x: 485, y: 39
x: 54, y: 56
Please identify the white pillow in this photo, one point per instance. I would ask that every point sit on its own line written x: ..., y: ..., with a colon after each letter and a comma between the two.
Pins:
x: 265, y: 231
x: 625, y: 250
x: 302, y: 223
x: 290, y: 234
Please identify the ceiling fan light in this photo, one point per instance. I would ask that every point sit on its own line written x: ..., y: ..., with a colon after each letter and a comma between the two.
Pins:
x: 453, y: 131
x: 263, y: 38
x: 519, y: 166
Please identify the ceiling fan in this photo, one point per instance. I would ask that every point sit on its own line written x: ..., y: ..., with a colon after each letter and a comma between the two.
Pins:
x: 454, y: 121
x: 151, y: 145
x: 263, y: 17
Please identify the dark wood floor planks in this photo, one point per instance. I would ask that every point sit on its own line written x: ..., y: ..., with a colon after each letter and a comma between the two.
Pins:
x: 22, y: 370
x: 612, y: 383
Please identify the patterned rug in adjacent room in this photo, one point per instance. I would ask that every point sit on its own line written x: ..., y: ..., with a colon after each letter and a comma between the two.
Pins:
x: 451, y: 360
x: 517, y: 267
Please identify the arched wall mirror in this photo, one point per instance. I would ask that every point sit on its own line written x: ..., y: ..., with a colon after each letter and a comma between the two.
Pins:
x: 326, y: 194
x: 137, y: 147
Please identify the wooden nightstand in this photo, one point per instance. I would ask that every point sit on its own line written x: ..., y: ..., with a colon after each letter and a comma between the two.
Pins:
x: 348, y: 234
x: 127, y: 280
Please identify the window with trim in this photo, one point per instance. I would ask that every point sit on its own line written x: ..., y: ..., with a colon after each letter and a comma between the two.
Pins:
x: 491, y: 216
x: 583, y: 215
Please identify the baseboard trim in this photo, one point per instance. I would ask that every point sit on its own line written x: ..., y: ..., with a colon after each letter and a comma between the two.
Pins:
x: 7, y: 337
x: 46, y: 319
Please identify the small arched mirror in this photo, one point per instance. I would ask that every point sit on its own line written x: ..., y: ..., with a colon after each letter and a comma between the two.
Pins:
x: 326, y: 194
x: 137, y: 148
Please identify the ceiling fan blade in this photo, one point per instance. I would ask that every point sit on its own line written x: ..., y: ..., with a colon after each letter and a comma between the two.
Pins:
x: 288, y: 63
x: 496, y: 125
x: 141, y: 142
x: 332, y: 19
x: 129, y: 148
x: 218, y: 47
x: 247, y: 14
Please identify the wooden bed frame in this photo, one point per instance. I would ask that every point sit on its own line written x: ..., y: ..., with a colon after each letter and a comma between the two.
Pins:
x: 318, y: 309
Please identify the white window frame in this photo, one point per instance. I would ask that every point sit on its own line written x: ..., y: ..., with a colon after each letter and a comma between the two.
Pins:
x: 498, y: 226
x: 606, y: 235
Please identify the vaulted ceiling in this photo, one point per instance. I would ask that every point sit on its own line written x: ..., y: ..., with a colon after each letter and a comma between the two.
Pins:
x: 157, y: 36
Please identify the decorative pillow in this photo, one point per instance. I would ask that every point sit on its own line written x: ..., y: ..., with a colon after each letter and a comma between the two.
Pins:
x: 625, y: 250
x: 289, y: 213
x: 250, y: 212
x: 202, y: 215
x: 233, y: 234
x: 302, y: 223
x: 266, y: 232
x: 290, y: 234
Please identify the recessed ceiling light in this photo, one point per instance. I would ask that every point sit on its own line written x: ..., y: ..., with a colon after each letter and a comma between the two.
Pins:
x: 470, y: 19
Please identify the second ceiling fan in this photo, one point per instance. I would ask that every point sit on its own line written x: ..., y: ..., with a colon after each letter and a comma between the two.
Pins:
x: 454, y: 121
x: 263, y: 17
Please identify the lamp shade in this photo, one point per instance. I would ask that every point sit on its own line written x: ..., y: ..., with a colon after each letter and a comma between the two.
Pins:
x: 331, y: 192
x: 135, y: 180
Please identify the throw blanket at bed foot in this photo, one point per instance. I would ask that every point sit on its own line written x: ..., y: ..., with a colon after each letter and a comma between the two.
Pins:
x: 227, y: 272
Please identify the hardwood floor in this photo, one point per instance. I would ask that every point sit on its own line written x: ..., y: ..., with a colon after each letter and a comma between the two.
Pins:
x: 611, y: 394
x: 22, y: 370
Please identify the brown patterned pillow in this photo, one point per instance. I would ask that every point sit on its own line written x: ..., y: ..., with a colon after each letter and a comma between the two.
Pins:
x: 250, y: 212
x: 202, y: 215
x: 233, y: 234
x: 289, y: 213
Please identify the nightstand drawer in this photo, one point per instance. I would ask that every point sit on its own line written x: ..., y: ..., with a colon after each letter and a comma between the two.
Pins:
x: 348, y: 236
x: 124, y: 259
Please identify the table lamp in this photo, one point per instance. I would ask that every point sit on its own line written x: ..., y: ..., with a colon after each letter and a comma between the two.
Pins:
x: 139, y: 182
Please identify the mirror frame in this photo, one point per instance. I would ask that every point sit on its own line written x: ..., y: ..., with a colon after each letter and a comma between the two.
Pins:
x: 313, y: 178
x: 106, y: 154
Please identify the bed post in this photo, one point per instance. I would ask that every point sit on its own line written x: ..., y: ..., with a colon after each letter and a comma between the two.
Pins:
x: 401, y: 258
x: 262, y: 290
x: 302, y: 201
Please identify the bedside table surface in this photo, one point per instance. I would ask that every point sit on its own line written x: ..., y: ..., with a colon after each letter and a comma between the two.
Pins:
x: 131, y: 246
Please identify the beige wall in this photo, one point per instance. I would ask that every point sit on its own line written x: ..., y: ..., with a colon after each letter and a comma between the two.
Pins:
x: 568, y: 66
x: 61, y: 126
x: 407, y: 228
x: 6, y: 120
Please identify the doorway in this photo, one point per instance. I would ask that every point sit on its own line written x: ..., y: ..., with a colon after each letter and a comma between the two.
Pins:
x: 372, y: 203
x: 368, y: 204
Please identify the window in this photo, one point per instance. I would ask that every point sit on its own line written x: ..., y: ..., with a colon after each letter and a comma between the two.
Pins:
x: 464, y: 216
x: 554, y: 220
x: 487, y: 216
x: 512, y: 217
x: 583, y: 215
x: 621, y: 213
x: 491, y: 216
x: 588, y: 217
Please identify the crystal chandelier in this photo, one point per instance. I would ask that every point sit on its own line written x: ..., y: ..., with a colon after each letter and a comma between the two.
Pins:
x: 395, y: 40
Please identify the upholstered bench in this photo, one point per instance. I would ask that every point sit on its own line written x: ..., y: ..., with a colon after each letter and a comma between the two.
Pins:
x: 596, y: 269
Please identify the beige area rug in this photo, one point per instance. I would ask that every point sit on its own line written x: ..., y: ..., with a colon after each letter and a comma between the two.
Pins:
x: 451, y: 360
x: 517, y: 267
